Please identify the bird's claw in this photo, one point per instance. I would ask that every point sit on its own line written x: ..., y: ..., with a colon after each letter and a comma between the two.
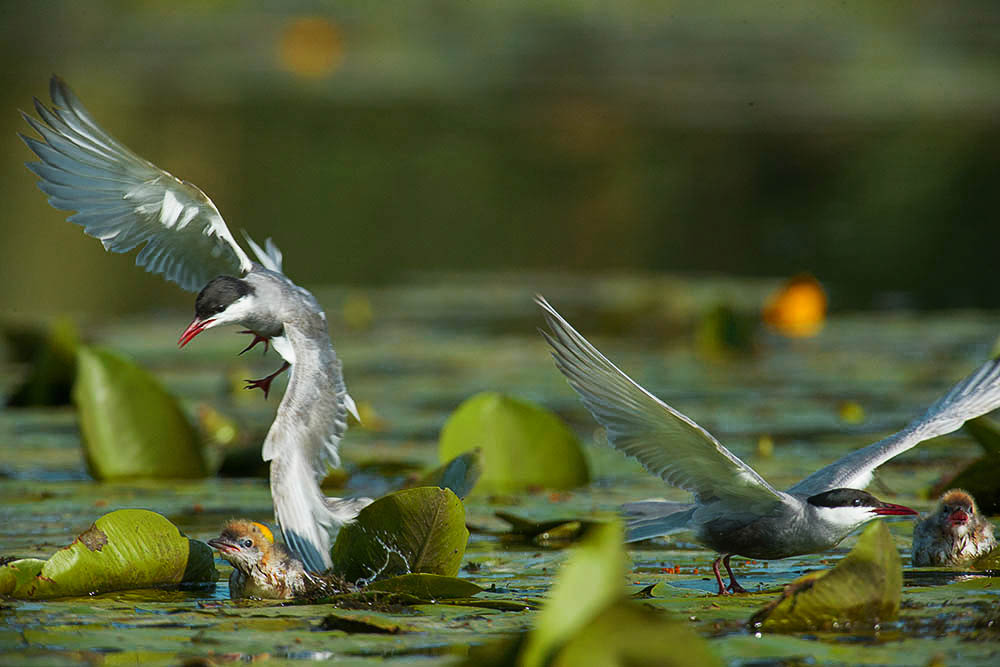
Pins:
x: 257, y: 338
x: 735, y: 588
x: 264, y: 384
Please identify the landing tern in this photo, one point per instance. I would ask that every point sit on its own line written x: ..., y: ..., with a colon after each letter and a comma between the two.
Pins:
x: 126, y: 201
x: 737, y: 512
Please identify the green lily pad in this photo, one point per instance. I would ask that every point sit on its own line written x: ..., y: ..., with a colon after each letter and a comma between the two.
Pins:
x: 427, y: 586
x: 52, y: 355
x: 408, y: 531
x: 459, y: 474
x: 592, y: 579
x: 524, y: 446
x: 130, y: 426
x: 358, y: 624
x: 863, y: 589
x: 122, y: 550
x: 627, y: 633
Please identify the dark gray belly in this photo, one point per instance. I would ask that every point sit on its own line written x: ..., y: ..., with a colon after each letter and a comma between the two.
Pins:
x: 764, y: 538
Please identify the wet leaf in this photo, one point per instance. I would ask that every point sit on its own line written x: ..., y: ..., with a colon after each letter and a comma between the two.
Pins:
x: 589, y: 581
x: 19, y: 573
x: 427, y: 586
x: 52, y: 356
x: 862, y: 590
x: 122, y: 550
x: 523, y: 445
x: 368, y: 624
x: 409, y: 531
x: 130, y: 426
x: 547, y: 533
x: 459, y: 474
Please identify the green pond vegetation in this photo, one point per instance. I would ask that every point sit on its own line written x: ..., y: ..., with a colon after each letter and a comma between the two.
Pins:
x: 449, y: 374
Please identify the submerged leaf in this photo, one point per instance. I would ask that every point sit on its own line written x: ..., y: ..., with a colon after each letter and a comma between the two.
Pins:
x: 862, y: 589
x: 130, y: 426
x: 122, y: 550
x: 367, y: 624
x: 414, y: 530
x: 553, y: 531
x: 459, y: 474
x: 523, y: 445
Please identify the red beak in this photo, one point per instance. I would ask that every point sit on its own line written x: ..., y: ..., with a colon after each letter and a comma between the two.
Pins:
x: 888, y: 509
x: 958, y: 517
x: 195, y: 328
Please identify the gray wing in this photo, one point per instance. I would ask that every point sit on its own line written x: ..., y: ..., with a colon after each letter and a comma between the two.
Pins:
x: 302, y: 443
x: 976, y: 395
x: 125, y: 201
x: 665, y: 442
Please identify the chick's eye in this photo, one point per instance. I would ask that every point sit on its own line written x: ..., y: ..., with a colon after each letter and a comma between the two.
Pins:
x: 247, y: 543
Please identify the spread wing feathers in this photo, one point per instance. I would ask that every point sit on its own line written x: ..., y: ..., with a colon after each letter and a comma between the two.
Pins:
x: 976, y: 395
x: 301, y: 511
x: 269, y: 256
x: 125, y: 201
x: 665, y: 442
x: 648, y: 519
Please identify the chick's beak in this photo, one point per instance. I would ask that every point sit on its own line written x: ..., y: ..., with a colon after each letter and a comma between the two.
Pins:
x: 196, y: 327
x: 888, y: 509
x: 958, y: 518
x: 223, y: 545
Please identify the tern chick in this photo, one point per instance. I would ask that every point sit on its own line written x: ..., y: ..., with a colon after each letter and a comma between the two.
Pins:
x: 736, y: 511
x: 266, y: 570
x: 127, y: 201
x: 953, y: 533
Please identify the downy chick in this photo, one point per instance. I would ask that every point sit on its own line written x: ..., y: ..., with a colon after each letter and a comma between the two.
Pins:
x: 265, y: 569
x: 953, y: 533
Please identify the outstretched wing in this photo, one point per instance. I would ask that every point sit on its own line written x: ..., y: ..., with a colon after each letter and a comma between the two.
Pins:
x: 125, y: 201
x: 976, y: 395
x: 638, y: 424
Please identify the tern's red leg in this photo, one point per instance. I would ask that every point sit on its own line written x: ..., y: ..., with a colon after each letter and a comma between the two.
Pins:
x: 733, y: 584
x: 265, y: 383
x: 718, y: 576
x: 257, y: 338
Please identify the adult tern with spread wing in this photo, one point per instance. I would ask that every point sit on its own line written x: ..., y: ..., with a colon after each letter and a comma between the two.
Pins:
x: 126, y: 201
x: 735, y: 511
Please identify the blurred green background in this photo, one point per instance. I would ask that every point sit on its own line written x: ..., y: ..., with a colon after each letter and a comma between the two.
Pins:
x: 378, y: 140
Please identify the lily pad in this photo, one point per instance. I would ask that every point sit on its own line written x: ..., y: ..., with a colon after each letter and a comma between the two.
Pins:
x: 553, y: 532
x: 524, y: 446
x: 130, y: 426
x: 122, y: 550
x: 427, y: 586
x: 592, y: 579
x: 409, y: 531
x: 459, y: 474
x: 863, y: 589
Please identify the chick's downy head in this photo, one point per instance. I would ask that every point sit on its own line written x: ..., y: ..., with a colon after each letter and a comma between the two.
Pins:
x: 244, y: 543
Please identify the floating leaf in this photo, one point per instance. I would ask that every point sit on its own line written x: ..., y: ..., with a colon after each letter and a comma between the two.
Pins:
x: 52, y: 356
x: 414, y: 530
x: 427, y: 586
x: 547, y: 533
x: 367, y: 624
x: 122, y: 550
x: 459, y: 474
x: 130, y: 426
x: 724, y: 331
x: 862, y: 589
x: 523, y: 445
x: 592, y: 579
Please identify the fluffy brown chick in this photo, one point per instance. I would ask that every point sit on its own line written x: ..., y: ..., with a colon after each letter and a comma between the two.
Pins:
x: 265, y: 569
x: 953, y: 533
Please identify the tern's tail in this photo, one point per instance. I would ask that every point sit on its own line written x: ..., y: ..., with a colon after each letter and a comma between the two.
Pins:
x: 653, y: 518
x: 306, y: 516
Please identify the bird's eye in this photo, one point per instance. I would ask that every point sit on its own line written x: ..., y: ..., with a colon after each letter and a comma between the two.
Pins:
x: 247, y: 543
x: 856, y: 502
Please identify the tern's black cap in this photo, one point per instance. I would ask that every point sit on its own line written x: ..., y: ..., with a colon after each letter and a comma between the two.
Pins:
x: 844, y: 498
x: 219, y: 294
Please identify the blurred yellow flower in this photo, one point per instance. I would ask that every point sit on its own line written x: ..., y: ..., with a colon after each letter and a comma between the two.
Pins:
x: 798, y: 308
x: 310, y: 46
